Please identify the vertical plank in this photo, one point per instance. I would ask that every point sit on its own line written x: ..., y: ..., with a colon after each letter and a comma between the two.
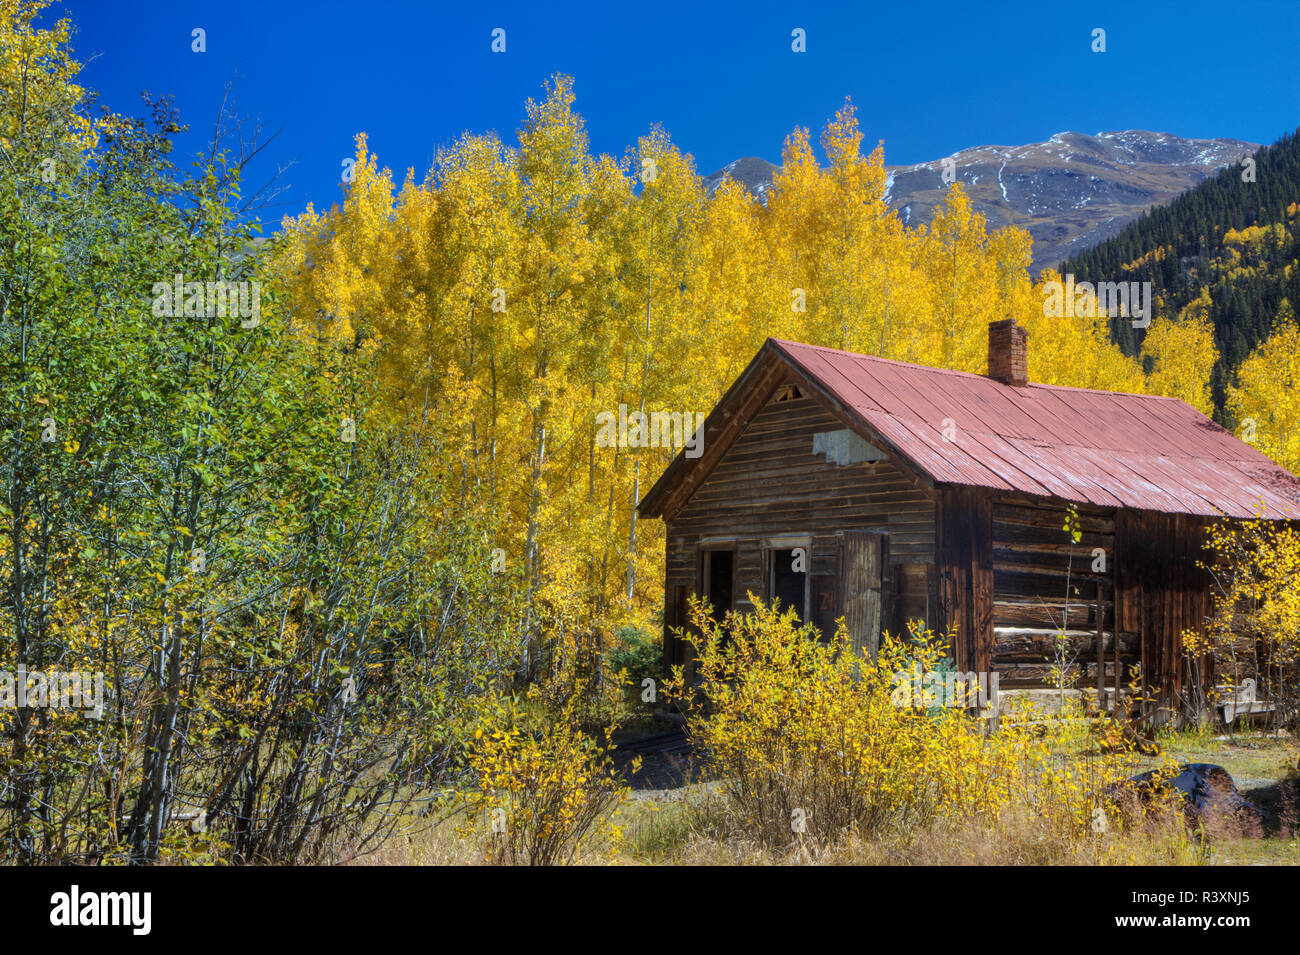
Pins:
x: 1101, y: 653
x: 888, y: 588
x: 981, y: 597
x: 861, y: 589
x: 674, y: 618
x: 933, y: 599
x: 951, y: 572
x: 964, y: 558
x: 825, y: 601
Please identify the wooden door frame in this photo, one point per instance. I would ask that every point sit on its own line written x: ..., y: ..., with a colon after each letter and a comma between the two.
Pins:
x: 768, y: 546
x: 703, y: 574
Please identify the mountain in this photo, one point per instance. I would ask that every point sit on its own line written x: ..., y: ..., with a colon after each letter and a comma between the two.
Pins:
x: 753, y: 173
x: 1070, y: 192
x: 1232, y: 242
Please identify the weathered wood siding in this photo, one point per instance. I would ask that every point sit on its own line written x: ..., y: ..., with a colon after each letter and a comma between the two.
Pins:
x: 1044, y: 581
x: 1162, y: 590
x: 862, y: 555
x: 769, y: 483
x: 1009, y: 577
x: 997, y: 569
x: 964, y: 574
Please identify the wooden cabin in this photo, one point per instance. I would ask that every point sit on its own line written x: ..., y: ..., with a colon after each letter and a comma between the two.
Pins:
x: 924, y: 493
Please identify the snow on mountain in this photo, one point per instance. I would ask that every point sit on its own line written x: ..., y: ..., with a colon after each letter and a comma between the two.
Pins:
x: 1069, y: 192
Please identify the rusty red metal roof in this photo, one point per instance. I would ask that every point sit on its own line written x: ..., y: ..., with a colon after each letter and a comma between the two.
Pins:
x: 1097, y: 447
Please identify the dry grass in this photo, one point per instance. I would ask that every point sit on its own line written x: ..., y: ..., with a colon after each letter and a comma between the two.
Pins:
x: 693, y: 825
x: 701, y: 831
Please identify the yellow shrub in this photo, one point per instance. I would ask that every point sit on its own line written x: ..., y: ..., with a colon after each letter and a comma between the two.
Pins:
x: 813, y: 743
x: 543, y: 790
x: 810, y: 739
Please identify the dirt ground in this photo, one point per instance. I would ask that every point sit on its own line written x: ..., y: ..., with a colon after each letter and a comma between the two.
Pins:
x: 667, y: 759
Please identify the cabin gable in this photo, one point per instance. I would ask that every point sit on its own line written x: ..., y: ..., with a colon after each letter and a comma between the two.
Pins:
x: 796, y: 478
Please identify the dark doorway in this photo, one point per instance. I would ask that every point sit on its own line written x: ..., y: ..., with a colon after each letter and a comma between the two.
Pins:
x: 719, y: 577
x: 790, y: 580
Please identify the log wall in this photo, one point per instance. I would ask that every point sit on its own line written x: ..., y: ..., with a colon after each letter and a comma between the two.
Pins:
x: 1044, y: 582
x: 1010, y: 578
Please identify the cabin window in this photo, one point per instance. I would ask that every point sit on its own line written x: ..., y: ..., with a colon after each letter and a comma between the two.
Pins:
x: 719, y: 580
x: 789, y: 393
x: 789, y: 580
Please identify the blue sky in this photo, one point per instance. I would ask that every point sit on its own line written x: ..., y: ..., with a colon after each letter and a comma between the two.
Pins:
x: 929, y: 78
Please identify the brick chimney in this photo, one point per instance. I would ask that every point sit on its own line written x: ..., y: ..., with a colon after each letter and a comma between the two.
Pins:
x: 1008, y: 353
